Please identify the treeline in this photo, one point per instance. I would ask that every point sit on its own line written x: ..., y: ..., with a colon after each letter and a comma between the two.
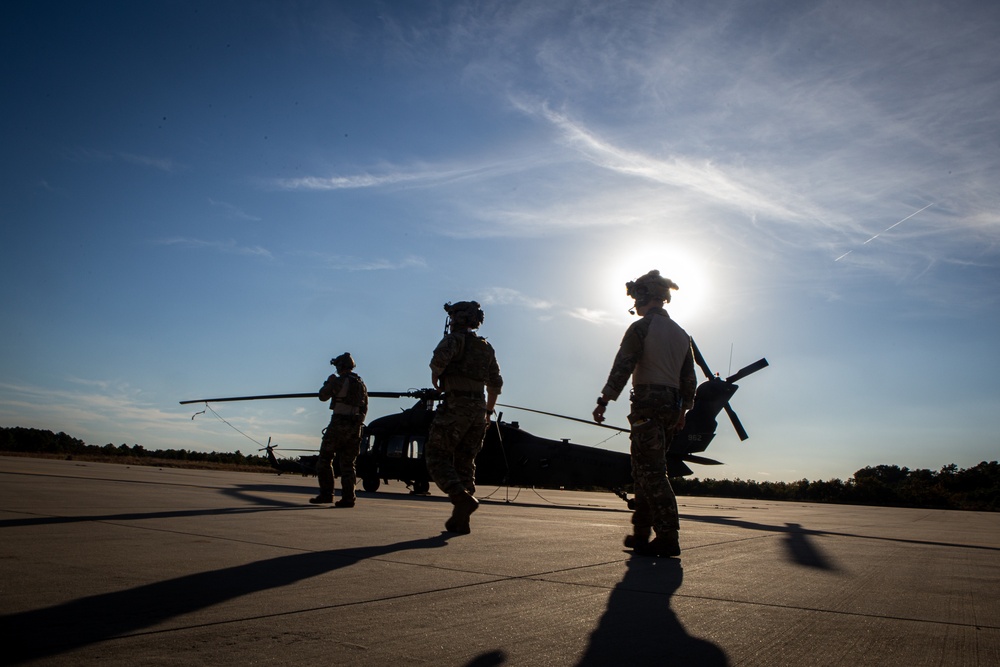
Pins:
x: 35, y: 441
x: 975, y: 488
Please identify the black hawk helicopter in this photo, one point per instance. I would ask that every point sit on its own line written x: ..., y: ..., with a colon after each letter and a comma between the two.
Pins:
x: 302, y: 465
x: 393, y: 445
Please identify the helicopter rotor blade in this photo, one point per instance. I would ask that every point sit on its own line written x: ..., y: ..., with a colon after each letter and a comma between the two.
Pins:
x: 250, y: 398
x: 740, y: 431
x: 747, y: 370
x: 413, y: 393
x: 700, y: 360
x: 677, y: 468
x: 575, y: 419
x: 701, y: 460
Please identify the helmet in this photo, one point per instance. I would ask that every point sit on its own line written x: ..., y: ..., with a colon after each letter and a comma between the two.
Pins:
x: 649, y: 287
x: 465, y: 314
x: 343, y: 362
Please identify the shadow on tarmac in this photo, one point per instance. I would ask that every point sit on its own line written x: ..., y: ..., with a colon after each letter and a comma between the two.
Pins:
x: 640, y: 628
x: 491, y: 659
x: 247, y: 494
x: 803, y: 551
x: 47, y: 632
x: 797, y: 535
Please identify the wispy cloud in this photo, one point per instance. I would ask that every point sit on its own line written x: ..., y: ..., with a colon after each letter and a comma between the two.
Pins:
x: 703, y: 177
x: 350, y: 182
x: 93, y: 155
x: 378, y: 264
x: 232, y: 211
x: 592, y: 316
x: 508, y: 297
x: 350, y: 263
x: 800, y: 140
x: 228, y: 247
x: 104, y: 411
x: 446, y: 173
x: 505, y: 296
x: 100, y: 406
x: 163, y: 164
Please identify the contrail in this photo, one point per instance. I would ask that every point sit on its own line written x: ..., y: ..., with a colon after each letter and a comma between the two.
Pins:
x: 886, y: 229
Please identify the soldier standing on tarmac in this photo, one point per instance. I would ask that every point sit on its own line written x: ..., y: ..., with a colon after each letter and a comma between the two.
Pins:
x: 343, y: 436
x: 463, y: 365
x: 656, y: 352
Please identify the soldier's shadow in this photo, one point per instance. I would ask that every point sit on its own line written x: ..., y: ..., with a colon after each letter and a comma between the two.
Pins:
x: 48, y: 632
x: 640, y: 628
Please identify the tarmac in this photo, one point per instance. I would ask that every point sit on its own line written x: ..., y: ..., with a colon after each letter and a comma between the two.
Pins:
x: 133, y: 565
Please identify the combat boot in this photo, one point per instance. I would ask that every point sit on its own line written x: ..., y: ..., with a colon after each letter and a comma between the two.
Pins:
x: 453, y: 525
x: 638, y: 540
x: 321, y: 500
x: 464, y: 505
x: 666, y: 545
x: 344, y: 502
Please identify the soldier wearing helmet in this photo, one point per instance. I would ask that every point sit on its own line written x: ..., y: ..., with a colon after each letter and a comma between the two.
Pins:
x: 656, y: 353
x: 348, y: 398
x: 463, y: 366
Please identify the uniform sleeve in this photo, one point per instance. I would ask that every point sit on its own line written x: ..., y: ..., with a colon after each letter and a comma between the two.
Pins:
x: 443, y: 354
x: 628, y: 356
x: 494, y: 382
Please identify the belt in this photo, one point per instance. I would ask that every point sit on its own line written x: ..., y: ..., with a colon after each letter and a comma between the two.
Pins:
x: 463, y: 394
x: 655, y: 387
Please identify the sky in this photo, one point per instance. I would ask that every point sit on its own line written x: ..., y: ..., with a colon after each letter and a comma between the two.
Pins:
x: 214, y: 199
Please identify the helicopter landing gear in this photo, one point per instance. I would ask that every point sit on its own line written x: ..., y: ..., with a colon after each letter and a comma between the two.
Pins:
x: 371, y: 484
x: 421, y: 487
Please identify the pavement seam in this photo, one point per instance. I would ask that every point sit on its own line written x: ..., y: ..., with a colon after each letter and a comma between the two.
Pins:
x: 857, y: 614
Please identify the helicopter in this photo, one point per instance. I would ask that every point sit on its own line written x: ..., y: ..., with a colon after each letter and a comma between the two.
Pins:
x: 392, y: 447
x: 303, y: 465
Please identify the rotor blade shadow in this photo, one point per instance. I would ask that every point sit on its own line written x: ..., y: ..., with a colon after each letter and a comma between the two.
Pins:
x: 804, y: 551
x: 245, y: 493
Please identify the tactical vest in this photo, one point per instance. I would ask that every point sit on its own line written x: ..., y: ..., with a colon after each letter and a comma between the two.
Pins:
x: 473, y: 360
x: 352, y: 399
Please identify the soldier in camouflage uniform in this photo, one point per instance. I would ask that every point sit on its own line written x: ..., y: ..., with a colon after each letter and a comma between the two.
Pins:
x: 342, y: 438
x: 463, y: 365
x: 656, y: 352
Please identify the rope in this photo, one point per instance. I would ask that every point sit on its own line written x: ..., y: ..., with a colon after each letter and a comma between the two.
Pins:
x: 503, y: 451
x: 219, y: 417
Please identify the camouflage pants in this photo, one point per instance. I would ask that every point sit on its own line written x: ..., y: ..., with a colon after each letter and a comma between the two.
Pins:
x: 455, y: 438
x: 342, y: 438
x: 654, y: 416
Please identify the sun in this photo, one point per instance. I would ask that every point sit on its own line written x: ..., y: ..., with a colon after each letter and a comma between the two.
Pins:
x: 681, y: 265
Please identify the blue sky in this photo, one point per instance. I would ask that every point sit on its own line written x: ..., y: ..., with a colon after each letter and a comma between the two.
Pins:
x: 204, y: 199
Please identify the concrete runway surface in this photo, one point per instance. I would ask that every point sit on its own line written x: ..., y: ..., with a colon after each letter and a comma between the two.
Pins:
x: 160, y: 566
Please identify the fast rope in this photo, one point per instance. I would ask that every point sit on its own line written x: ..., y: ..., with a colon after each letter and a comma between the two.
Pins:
x: 219, y: 417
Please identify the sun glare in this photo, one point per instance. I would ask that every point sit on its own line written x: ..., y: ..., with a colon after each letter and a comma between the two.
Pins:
x: 680, y: 265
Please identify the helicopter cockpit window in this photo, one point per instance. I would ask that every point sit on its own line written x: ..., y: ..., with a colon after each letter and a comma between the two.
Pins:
x: 396, y: 447
x: 416, y: 447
